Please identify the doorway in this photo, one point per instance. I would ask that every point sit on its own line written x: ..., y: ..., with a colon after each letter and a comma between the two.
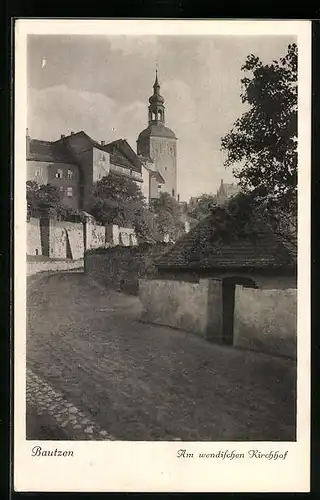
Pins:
x: 228, y: 298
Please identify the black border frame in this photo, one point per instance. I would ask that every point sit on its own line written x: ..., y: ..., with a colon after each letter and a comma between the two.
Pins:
x: 160, y: 9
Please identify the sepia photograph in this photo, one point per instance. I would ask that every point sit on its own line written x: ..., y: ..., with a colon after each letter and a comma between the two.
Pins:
x: 161, y: 209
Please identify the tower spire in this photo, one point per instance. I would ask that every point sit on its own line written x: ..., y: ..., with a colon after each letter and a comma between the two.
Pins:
x: 156, y: 108
x: 156, y: 85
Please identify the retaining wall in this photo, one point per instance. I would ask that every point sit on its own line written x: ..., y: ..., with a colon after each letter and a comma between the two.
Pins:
x: 122, y: 267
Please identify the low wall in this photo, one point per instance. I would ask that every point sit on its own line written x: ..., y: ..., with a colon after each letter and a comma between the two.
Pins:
x: 39, y: 267
x: 34, y: 237
x: 266, y: 320
x: 177, y: 304
x: 122, y: 267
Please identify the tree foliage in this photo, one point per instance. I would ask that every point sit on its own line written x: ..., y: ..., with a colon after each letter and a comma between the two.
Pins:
x: 199, y: 208
x: 44, y: 201
x: 262, y: 145
x: 169, y: 218
x: 117, y: 200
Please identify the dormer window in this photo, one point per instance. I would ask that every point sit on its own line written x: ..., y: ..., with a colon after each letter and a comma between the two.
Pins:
x: 59, y: 174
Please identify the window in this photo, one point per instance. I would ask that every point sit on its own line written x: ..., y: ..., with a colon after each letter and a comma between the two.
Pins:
x: 103, y: 158
x: 38, y: 172
x: 61, y: 188
x: 59, y: 174
x: 69, y: 191
x: 70, y: 174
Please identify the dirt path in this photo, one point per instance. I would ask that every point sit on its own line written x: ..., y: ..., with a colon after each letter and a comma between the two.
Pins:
x: 145, y: 382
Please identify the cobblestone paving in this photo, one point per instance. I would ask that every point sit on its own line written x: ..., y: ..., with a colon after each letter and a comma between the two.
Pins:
x: 143, y: 382
x: 44, y: 400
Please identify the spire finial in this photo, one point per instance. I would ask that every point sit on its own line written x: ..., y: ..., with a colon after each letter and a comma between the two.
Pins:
x: 156, y: 82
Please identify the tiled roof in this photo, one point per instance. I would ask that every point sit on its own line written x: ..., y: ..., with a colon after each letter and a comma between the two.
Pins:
x: 205, y: 247
x: 55, y: 152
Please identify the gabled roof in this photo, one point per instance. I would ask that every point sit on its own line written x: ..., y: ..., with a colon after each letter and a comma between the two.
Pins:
x: 121, y: 152
x: 227, y: 190
x: 207, y: 247
x: 54, y: 152
x: 61, y: 150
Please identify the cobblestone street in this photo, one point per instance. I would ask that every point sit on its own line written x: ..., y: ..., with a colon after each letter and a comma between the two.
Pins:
x: 96, y: 372
x: 62, y: 419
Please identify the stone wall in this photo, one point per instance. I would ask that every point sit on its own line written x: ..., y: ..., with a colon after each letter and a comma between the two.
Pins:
x: 61, y: 240
x: 121, y: 267
x: 65, y: 240
x: 34, y: 237
x: 95, y: 236
x: 174, y: 303
x: 263, y: 319
x: 266, y: 320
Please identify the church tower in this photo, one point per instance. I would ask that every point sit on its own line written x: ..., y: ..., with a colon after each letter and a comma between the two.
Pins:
x: 159, y: 143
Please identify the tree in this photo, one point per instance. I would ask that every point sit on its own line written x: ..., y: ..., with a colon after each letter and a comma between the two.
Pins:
x: 262, y: 145
x: 118, y: 200
x: 201, y: 207
x: 168, y: 216
x: 44, y: 200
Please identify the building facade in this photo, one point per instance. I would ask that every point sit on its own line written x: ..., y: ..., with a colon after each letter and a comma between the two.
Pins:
x: 157, y: 146
x: 76, y: 162
x: 226, y: 191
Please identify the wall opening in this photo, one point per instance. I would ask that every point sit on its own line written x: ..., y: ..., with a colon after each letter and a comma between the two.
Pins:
x: 228, y: 297
x: 68, y: 247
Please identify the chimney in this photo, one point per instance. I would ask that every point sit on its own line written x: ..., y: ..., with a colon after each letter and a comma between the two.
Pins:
x: 178, y: 197
x: 62, y: 136
x: 221, y: 182
x: 102, y: 143
x: 71, y: 133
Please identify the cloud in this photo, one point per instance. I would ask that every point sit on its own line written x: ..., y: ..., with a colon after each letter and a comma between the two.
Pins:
x: 138, y: 46
x: 59, y: 110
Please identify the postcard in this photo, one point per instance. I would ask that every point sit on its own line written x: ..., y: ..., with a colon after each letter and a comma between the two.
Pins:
x: 162, y: 255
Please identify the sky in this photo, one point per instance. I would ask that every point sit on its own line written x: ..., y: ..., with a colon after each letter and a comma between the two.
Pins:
x: 101, y: 84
